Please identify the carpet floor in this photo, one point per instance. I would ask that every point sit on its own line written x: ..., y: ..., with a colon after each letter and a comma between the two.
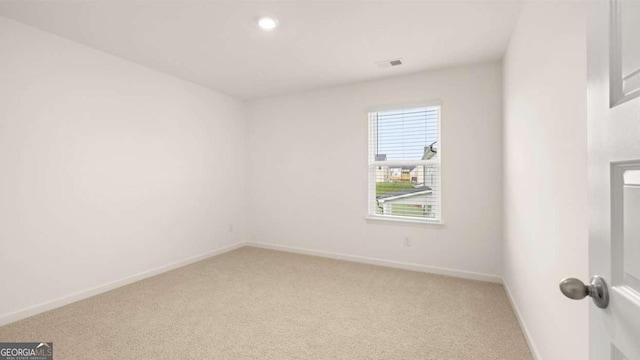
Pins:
x: 260, y: 304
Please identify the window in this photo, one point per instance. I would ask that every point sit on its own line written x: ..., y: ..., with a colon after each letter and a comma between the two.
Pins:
x: 404, y: 164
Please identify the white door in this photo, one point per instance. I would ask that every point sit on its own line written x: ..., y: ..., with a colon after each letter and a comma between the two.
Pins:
x: 614, y: 175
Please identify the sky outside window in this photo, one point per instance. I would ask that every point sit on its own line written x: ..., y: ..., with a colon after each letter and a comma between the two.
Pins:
x: 403, y: 134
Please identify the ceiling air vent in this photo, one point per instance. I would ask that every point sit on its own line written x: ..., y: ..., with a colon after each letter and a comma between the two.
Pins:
x: 389, y: 63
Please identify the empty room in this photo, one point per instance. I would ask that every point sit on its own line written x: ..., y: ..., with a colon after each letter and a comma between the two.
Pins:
x: 432, y: 180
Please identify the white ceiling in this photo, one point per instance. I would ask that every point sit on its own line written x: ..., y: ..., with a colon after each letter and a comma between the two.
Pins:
x: 317, y: 43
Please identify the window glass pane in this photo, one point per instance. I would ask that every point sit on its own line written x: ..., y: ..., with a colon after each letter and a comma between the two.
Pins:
x: 399, y: 186
x: 407, y: 191
x: 410, y: 134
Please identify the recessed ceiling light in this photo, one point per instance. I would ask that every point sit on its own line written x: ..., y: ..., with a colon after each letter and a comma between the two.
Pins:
x: 267, y: 23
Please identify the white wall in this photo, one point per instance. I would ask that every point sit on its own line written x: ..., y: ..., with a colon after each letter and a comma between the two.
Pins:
x: 107, y: 169
x: 308, y: 158
x: 545, y: 175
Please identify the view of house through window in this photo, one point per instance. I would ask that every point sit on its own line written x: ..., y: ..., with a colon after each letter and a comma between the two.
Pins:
x: 404, y: 163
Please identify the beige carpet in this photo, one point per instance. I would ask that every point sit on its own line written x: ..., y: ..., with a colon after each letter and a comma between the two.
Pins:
x: 261, y: 304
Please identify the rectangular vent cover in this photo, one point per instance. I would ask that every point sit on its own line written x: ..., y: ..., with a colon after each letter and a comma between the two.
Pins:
x: 389, y: 63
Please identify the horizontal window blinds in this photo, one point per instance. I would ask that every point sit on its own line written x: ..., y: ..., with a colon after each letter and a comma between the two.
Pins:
x: 404, y: 163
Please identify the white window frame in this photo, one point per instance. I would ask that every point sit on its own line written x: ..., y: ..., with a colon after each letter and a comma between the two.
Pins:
x: 372, y: 164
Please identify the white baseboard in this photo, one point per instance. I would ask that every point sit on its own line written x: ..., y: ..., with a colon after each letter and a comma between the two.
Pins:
x: 81, y: 295
x: 523, y: 326
x: 380, y: 262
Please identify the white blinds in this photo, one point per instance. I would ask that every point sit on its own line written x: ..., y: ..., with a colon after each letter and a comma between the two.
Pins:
x: 404, y: 163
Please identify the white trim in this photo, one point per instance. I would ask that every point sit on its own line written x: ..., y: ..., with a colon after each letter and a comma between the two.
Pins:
x: 527, y: 335
x: 618, y: 169
x: 403, y: 163
x: 411, y: 105
x: 402, y: 219
x: 618, y: 95
x: 380, y: 262
x: 84, y: 294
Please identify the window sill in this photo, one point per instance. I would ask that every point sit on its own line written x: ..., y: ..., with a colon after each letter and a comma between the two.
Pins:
x: 401, y: 220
